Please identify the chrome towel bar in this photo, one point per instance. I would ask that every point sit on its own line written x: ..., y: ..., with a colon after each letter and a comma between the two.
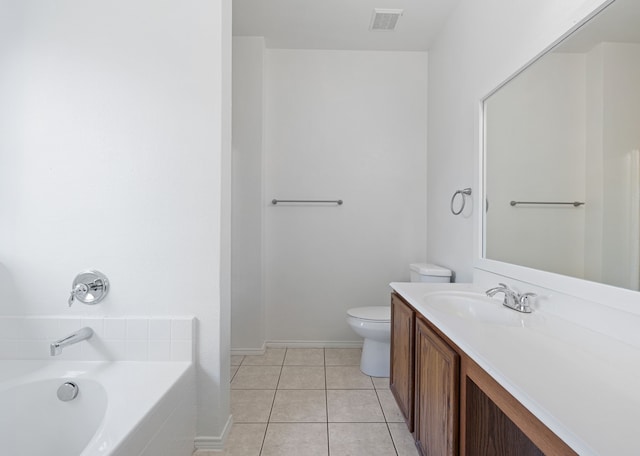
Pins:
x: 276, y: 201
x: 562, y: 203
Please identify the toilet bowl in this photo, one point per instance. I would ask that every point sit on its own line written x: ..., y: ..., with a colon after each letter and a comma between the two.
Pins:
x: 374, y: 323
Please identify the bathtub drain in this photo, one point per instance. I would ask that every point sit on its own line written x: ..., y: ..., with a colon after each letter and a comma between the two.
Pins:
x: 68, y: 391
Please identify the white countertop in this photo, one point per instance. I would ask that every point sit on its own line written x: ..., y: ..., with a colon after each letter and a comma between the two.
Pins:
x: 581, y: 384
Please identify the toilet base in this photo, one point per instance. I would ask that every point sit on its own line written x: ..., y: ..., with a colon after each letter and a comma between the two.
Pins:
x: 375, y: 358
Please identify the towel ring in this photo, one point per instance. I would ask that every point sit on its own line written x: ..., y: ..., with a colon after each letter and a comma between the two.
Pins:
x: 464, y: 193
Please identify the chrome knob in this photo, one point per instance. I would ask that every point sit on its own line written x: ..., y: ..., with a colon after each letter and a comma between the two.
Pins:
x: 79, y: 292
x: 525, y: 301
x: 89, y: 287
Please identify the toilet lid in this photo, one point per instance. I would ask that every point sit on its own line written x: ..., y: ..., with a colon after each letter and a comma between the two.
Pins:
x: 373, y: 313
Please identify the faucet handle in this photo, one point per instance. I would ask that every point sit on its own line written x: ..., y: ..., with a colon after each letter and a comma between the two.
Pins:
x: 89, y: 287
x: 525, y: 299
x: 79, y: 291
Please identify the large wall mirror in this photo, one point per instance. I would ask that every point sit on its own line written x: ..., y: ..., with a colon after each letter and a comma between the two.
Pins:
x: 562, y: 156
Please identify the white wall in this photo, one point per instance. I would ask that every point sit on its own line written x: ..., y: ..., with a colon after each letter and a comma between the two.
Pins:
x: 114, y: 133
x: 621, y: 135
x: 348, y: 125
x: 535, y: 151
x: 594, y: 165
x: 482, y: 44
x: 247, y: 310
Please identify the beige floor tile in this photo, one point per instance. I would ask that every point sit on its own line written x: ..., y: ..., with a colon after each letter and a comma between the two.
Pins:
x: 304, y: 357
x: 360, y: 439
x: 380, y: 382
x: 347, y: 377
x: 354, y: 406
x: 232, y: 372
x: 403, y: 440
x: 296, y: 439
x: 244, y: 440
x: 342, y: 356
x: 304, y: 406
x: 390, y: 407
x: 236, y: 360
x: 302, y: 377
x: 251, y: 406
x: 271, y: 357
x: 256, y: 377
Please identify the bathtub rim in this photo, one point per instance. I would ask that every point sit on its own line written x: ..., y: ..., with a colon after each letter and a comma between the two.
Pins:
x: 149, y: 392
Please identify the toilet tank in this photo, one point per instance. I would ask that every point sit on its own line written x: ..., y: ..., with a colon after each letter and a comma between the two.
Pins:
x: 432, y: 273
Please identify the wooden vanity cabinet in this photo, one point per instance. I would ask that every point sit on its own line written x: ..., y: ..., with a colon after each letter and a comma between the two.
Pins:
x: 437, y: 375
x: 402, y: 357
x: 493, y: 422
x: 452, y: 405
x: 424, y: 379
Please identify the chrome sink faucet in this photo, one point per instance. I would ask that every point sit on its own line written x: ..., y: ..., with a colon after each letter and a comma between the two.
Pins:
x: 78, y: 336
x: 513, y: 300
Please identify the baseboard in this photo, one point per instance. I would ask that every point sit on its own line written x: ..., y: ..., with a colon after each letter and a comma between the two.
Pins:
x: 313, y: 344
x: 206, y: 444
x: 248, y: 351
x: 296, y: 344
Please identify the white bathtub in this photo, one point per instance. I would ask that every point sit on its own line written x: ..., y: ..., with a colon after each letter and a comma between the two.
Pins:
x: 122, y: 408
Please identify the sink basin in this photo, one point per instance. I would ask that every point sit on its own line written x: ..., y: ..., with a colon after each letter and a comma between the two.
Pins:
x: 476, y: 307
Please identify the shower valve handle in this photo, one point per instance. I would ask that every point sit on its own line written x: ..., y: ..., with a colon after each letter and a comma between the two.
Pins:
x: 79, y: 291
x: 89, y: 287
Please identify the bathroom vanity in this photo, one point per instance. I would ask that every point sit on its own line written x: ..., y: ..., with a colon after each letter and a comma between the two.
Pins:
x: 475, y: 378
x: 451, y: 404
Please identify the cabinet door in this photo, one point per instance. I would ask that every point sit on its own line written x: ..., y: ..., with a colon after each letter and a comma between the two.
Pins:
x: 437, y: 394
x: 401, y: 376
x: 494, y: 422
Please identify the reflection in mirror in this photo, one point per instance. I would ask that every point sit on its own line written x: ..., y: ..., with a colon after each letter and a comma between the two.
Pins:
x: 564, y: 130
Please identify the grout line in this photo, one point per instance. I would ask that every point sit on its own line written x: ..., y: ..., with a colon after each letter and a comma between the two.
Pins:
x: 357, y: 422
x: 234, y: 374
x: 264, y: 437
x: 326, y: 398
x: 272, y: 403
x: 381, y: 407
x: 393, y: 442
x: 386, y: 422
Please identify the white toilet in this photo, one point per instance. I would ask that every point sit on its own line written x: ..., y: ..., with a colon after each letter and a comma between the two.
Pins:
x: 374, y: 323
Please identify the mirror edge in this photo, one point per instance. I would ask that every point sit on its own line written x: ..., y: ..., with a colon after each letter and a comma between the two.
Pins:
x: 615, y: 297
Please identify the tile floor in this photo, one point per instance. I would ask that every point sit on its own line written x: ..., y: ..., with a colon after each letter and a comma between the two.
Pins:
x: 312, y: 402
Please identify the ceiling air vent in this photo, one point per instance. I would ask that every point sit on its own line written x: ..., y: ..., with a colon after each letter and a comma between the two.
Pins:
x: 384, y: 20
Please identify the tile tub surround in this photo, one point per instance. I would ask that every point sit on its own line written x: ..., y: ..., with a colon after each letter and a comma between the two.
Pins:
x: 313, y: 402
x: 114, y: 339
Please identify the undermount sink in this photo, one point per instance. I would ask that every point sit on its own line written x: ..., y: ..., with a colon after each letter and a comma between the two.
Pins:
x: 476, y: 307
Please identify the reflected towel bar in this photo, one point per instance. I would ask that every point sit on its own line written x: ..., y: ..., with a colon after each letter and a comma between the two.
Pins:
x: 568, y: 203
x: 276, y: 201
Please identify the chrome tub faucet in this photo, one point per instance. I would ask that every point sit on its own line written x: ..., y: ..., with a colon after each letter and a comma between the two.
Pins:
x: 513, y: 300
x: 78, y: 336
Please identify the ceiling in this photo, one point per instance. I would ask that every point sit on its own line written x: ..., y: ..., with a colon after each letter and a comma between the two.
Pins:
x: 617, y: 23
x: 340, y: 24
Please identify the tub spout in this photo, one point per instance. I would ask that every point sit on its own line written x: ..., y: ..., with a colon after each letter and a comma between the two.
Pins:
x: 78, y: 336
